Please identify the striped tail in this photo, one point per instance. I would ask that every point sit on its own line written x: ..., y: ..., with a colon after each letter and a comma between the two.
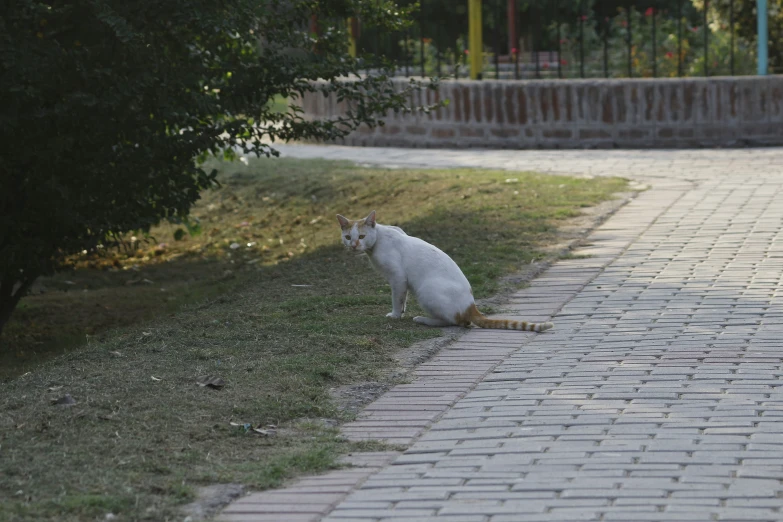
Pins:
x: 480, y: 320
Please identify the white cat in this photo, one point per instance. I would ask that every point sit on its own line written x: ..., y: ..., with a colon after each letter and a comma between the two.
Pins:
x: 409, y: 263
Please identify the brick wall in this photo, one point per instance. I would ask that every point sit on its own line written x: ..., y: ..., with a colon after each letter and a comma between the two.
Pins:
x: 630, y: 113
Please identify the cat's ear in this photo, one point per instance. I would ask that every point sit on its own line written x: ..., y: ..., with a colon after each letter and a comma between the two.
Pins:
x: 344, y: 223
x: 370, y: 220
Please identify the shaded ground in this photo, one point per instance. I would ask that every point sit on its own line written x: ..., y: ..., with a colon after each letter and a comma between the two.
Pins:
x: 262, y: 299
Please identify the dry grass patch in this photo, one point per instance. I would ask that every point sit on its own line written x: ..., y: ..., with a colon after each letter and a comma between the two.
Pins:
x: 263, y: 298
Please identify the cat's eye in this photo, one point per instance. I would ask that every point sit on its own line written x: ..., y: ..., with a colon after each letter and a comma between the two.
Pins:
x: 348, y: 238
x: 361, y: 237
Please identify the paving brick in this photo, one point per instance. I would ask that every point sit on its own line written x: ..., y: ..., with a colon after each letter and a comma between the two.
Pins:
x: 268, y: 508
x: 659, y: 389
x: 260, y: 517
x: 549, y: 517
x: 364, y: 514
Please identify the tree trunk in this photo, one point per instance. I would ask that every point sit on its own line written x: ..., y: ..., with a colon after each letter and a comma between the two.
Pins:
x: 511, y: 16
x: 10, y: 294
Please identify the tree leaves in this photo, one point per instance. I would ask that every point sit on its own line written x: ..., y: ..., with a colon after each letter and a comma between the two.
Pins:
x: 125, y: 100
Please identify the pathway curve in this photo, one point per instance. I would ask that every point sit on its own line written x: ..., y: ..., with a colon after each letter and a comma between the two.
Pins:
x: 658, y: 396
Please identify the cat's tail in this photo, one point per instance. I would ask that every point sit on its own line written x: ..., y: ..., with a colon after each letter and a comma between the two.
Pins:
x: 477, y: 318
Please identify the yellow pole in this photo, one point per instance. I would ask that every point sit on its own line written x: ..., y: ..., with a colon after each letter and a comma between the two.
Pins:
x: 475, y: 46
x: 352, y: 36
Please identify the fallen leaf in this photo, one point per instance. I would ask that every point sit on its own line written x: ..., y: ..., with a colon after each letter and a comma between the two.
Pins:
x: 316, y: 220
x: 69, y: 282
x: 118, y: 354
x: 234, y: 246
x: 55, y: 388
x: 301, y: 286
x: 65, y: 400
x: 269, y: 430
x: 156, y: 379
x: 211, y: 381
x: 246, y: 426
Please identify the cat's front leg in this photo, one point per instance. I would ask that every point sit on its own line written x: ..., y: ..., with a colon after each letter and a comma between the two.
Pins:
x: 399, y: 289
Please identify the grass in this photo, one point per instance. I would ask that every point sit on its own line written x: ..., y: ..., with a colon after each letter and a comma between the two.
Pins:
x: 278, y: 104
x: 263, y: 298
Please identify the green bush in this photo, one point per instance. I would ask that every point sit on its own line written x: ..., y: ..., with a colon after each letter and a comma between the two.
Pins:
x: 687, y: 40
x: 110, y: 107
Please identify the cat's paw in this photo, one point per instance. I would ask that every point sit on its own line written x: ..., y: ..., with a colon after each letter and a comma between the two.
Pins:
x: 392, y: 315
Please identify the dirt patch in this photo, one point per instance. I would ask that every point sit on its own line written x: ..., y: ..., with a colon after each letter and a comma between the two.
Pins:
x: 351, y: 399
x: 210, y: 500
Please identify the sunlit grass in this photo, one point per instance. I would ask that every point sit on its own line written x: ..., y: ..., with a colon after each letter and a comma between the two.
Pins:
x: 264, y: 298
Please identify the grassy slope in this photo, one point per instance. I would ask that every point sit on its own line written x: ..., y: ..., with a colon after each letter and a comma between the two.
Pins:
x: 135, y: 445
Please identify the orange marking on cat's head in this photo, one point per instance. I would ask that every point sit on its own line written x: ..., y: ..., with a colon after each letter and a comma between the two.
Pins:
x: 348, y: 224
x: 345, y: 223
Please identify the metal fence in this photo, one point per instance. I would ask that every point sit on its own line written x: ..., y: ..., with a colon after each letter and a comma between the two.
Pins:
x: 573, y: 39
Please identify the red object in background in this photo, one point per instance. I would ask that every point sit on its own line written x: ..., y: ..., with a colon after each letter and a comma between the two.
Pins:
x: 511, y: 16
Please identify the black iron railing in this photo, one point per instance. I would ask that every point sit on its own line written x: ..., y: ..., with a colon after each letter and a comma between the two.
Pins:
x: 572, y: 39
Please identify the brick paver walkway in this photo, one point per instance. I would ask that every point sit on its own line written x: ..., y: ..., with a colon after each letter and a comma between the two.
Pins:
x: 656, y: 397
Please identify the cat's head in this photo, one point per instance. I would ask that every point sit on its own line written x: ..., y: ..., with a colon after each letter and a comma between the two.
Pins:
x: 359, y: 235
